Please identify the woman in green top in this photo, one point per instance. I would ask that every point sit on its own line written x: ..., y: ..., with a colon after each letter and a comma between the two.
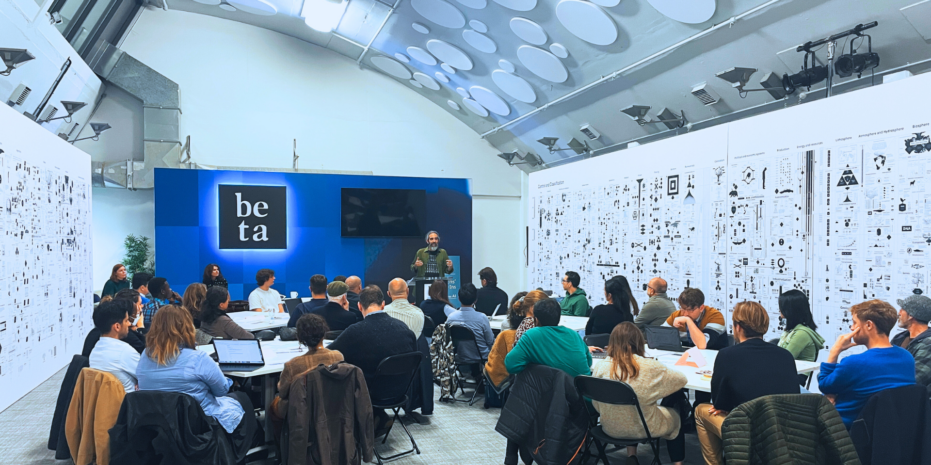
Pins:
x: 799, y: 337
x: 117, y: 281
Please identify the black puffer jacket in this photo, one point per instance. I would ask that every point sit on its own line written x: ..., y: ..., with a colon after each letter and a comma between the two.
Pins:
x: 545, y: 414
x: 894, y: 428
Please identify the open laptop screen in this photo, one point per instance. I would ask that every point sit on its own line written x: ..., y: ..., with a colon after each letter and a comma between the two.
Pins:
x: 238, y: 352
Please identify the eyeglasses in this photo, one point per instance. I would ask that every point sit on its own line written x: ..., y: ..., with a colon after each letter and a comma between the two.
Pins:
x: 565, y: 280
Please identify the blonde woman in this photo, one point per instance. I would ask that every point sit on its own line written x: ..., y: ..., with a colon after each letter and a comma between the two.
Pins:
x: 193, y: 301
x: 651, y: 381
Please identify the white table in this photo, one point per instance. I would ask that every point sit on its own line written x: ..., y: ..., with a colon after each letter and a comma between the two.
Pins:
x: 575, y: 323
x: 257, y: 321
x: 699, y: 382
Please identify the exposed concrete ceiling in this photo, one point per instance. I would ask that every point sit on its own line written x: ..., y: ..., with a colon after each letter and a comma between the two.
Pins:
x: 760, y: 39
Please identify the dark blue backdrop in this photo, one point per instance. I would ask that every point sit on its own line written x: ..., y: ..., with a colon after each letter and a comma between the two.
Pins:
x: 186, y: 235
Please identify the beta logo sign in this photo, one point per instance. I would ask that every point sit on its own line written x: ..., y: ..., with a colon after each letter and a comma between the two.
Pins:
x: 253, y: 217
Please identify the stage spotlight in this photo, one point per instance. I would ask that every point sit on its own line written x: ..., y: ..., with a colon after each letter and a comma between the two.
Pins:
x: 70, y: 107
x: 638, y: 113
x: 853, y: 63
x: 738, y: 77
x: 13, y: 58
x: 807, y: 77
x: 530, y: 159
x: 97, y: 128
x: 549, y: 142
x: 580, y: 148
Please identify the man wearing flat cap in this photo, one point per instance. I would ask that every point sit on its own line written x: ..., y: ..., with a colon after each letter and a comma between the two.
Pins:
x: 336, y: 311
x: 914, y: 314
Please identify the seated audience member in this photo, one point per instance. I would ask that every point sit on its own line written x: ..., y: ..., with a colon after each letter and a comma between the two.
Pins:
x: 341, y: 278
x: 550, y: 344
x: 658, y: 308
x: 490, y: 296
x: 799, y: 338
x: 851, y: 382
x: 213, y: 318
x: 117, y: 281
x: 213, y: 277
x: 310, y: 331
x: 698, y: 324
x: 355, y: 287
x: 264, y: 298
x: 634, y: 306
x: 162, y: 295
x: 913, y: 316
x: 336, y: 312
x: 170, y: 363
x: 605, y: 317
x: 651, y: 381
x: 368, y: 342
x: 495, y: 368
x: 529, y: 322
x: 476, y: 322
x: 193, y: 300
x: 401, y: 309
x: 752, y: 368
x: 436, y: 305
x: 141, y: 284
x: 111, y: 354
x: 576, y: 302
x: 137, y: 330
x: 318, y: 298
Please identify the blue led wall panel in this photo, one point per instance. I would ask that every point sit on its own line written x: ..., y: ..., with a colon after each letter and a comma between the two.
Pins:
x: 187, y: 229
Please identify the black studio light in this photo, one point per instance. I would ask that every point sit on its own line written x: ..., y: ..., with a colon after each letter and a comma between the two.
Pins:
x: 807, y: 77
x: 856, y: 63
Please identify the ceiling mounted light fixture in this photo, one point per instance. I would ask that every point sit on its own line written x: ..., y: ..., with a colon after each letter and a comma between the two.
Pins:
x: 638, y: 113
x: 739, y: 77
x: 97, y: 128
x: 851, y: 63
x: 13, y: 58
x: 580, y: 148
x: 807, y: 77
x: 530, y: 159
x: 70, y: 107
x: 323, y: 15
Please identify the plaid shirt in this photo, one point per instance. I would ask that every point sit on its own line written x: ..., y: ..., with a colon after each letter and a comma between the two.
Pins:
x: 149, y: 309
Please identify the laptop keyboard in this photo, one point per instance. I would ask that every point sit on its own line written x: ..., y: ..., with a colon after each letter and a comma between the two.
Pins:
x: 228, y: 367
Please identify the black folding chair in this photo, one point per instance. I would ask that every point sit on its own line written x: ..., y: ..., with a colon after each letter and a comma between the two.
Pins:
x: 332, y: 335
x: 461, y: 335
x: 597, y: 340
x: 393, y: 379
x: 615, y: 393
x: 428, y: 327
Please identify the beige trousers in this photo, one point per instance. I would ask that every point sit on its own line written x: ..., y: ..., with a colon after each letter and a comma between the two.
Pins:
x: 708, y: 427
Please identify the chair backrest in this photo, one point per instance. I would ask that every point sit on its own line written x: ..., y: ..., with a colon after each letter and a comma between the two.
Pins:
x: 238, y: 306
x: 428, y: 327
x: 612, y: 392
x: 99, y: 392
x: 56, y: 440
x: 291, y: 304
x: 332, y: 335
x: 460, y: 335
x: 597, y: 340
x: 394, y: 376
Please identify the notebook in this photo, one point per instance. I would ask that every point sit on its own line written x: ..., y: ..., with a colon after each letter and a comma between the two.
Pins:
x: 243, y: 355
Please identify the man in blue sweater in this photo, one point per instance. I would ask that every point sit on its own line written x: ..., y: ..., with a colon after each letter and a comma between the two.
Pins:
x: 850, y: 383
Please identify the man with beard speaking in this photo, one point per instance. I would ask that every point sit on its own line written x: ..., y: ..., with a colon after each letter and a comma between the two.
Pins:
x: 432, y: 261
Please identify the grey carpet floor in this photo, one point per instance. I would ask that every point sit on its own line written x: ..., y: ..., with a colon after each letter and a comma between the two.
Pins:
x: 458, y: 434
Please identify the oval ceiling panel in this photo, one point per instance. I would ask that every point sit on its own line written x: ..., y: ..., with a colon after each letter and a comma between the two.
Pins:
x: 452, y: 104
x: 421, y: 55
x: 420, y: 28
x: 490, y: 100
x: 402, y: 58
x: 449, y: 54
x: 464, y: 93
x: 513, y: 85
x: 518, y: 5
x: 447, y: 68
x: 506, y: 65
x: 587, y: 21
x: 559, y: 50
x: 439, y: 12
x: 529, y: 31
x: 392, y: 67
x: 441, y: 77
x: 475, y: 107
x: 685, y: 11
x: 543, y: 63
x: 474, y: 4
x: 478, y: 26
x: 427, y: 81
x: 479, y: 41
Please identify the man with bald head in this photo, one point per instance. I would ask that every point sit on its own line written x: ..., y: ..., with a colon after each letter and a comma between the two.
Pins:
x: 401, y: 309
x: 658, y: 308
x: 355, y: 287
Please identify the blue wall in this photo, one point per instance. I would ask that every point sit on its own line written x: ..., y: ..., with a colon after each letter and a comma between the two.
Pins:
x: 186, y: 235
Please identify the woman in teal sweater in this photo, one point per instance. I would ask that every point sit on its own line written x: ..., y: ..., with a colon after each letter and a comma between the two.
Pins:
x: 550, y: 344
x: 117, y: 281
x: 799, y: 337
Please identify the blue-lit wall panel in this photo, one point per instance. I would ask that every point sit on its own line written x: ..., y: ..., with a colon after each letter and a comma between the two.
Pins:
x: 187, y: 236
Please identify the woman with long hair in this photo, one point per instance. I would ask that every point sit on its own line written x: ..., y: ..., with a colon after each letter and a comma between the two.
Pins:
x: 497, y: 373
x: 525, y: 308
x: 634, y: 306
x: 605, y: 317
x: 651, y: 381
x: 170, y: 363
x: 437, y: 305
x: 117, y: 281
x: 799, y: 337
x: 193, y: 300
x: 213, y: 318
x: 213, y: 277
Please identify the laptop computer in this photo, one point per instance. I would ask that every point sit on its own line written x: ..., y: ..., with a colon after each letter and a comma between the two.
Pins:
x: 291, y: 304
x: 663, y: 338
x: 245, y: 355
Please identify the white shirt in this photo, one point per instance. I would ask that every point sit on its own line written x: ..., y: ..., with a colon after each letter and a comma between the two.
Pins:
x: 117, y: 358
x: 268, y: 300
x: 412, y: 316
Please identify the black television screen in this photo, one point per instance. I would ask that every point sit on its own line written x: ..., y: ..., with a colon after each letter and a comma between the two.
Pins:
x: 383, y: 212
